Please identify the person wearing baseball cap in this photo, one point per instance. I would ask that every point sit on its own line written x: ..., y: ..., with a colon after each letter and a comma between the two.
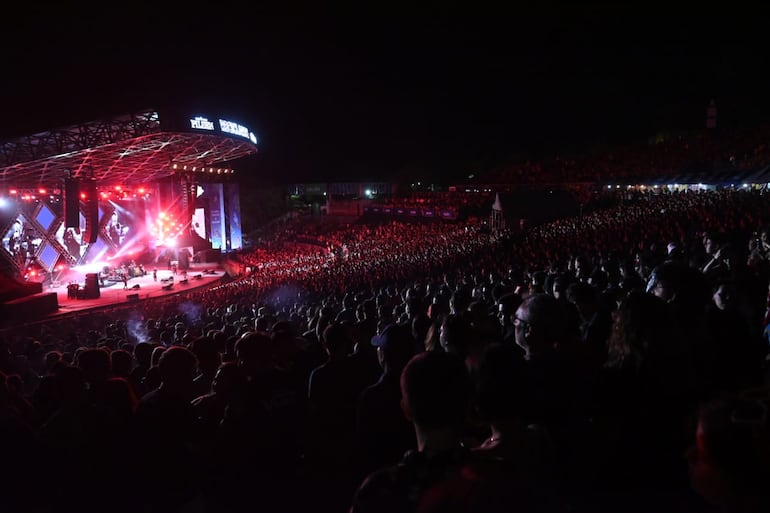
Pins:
x: 383, y: 434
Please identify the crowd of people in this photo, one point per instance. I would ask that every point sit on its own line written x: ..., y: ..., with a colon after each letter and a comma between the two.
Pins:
x: 614, y: 361
x: 666, y: 156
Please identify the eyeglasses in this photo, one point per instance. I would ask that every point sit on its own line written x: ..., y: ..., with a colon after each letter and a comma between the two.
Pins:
x: 752, y: 408
x: 749, y: 412
x: 517, y: 321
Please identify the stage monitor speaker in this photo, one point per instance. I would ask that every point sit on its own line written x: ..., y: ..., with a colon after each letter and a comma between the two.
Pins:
x: 91, y: 289
x: 71, y: 203
x: 91, y: 211
x: 132, y: 298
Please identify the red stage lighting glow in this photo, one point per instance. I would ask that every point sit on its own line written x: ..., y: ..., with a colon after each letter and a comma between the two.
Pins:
x: 41, y: 191
x: 82, y: 195
x: 13, y: 191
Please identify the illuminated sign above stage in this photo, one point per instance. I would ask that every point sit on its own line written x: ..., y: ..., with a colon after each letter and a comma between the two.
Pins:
x: 236, y: 129
x: 201, y: 123
x: 225, y: 127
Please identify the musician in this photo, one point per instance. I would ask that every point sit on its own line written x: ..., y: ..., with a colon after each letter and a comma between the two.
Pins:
x: 71, y: 243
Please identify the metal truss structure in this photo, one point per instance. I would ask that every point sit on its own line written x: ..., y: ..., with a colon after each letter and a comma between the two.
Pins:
x: 125, y: 150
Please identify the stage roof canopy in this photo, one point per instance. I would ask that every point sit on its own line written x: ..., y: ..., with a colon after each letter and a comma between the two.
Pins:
x: 131, y: 149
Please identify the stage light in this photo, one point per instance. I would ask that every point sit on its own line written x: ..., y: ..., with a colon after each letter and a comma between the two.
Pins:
x: 3, y: 202
x: 41, y: 191
x: 141, y: 190
x: 13, y: 191
x: 82, y: 195
x: 118, y: 188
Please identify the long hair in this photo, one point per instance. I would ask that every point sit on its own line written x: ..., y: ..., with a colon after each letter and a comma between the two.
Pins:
x: 647, y: 340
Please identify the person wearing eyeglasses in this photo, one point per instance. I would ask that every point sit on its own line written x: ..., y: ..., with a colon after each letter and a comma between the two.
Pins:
x: 558, y: 392
x: 539, y: 324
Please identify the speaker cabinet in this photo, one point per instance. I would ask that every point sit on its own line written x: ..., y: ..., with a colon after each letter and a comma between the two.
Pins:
x: 71, y: 203
x: 91, y: 289
x: 91, y: 201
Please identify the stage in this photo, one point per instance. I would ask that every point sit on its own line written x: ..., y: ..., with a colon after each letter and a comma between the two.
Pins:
x: 114, y: 293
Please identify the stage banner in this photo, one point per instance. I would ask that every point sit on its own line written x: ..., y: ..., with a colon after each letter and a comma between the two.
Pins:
x: 214, y: 192
x: 233, y: 197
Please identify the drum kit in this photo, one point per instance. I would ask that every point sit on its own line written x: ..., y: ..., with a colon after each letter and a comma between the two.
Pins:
x: 127, y: 271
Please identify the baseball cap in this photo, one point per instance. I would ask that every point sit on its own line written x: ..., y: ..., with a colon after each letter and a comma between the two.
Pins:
x: 395, y: 339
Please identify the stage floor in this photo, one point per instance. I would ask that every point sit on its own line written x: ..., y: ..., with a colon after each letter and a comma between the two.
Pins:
x: 114, y: 293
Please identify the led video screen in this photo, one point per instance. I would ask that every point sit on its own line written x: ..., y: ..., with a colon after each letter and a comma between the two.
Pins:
x: 48, y: 256
x: 21, y: 240
x: 72, y: 238
x: 45, y: 217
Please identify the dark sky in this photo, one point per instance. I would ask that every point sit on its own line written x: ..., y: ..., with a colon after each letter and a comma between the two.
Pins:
x: 340, y: 93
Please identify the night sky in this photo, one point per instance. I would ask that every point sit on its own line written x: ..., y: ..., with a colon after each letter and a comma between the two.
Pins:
x: 391, y: 92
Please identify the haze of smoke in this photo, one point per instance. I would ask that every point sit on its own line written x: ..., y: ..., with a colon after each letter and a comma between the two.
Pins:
x: 284, y: 295
x: 191, y: 310
x: 137, y: 328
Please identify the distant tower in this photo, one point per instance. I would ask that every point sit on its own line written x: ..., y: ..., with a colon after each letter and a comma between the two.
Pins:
x: 711, y: 115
